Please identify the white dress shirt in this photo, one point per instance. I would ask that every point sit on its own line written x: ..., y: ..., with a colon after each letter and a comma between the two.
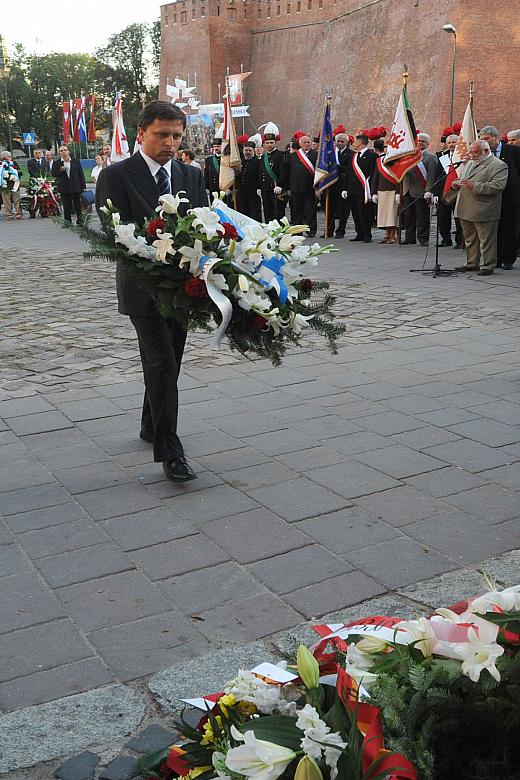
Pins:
x: 154, y: 166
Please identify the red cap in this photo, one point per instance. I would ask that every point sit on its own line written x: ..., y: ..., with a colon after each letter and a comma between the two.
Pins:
x: 338, y: 129
x: 242, y: 138
x: 297, y: 135
x: 457, y: 127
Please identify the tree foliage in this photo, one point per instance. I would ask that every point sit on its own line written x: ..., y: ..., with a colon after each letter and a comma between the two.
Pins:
x: 35, y: 86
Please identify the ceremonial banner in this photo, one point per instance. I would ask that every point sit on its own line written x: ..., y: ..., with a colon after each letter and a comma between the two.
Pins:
x: 92, y: 120
x: 402, y: 152
x: 230, y: 160
x: 235, y: 87
x: 80, y: 130
x: 326, y: 173
x: 120, y: 148
x: 467, y: 136
x: 67, y: 121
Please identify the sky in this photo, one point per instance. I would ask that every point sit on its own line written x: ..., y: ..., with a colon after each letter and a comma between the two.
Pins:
x: 53, y: 25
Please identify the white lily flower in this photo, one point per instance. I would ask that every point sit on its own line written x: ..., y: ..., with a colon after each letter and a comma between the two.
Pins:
x: 163, y: 245
x: 106, y: 209
x: 125, y: 234
x: 258, y: 758
x: 252, y: 299
x: 421, y: 633
x: 191, y: 256
x: 371, y: 644
x: 219, y: 280
x: 170, y: 203
x: 208, y: 221
x: 480, y: 651
x: 116, y: 218
x: 288, y: 242
x: 308, y: 718
x: 299, y: 321
x: 273, y: 225
x: 243, y: 283
x: 141, y: 248
x: 508, y: 600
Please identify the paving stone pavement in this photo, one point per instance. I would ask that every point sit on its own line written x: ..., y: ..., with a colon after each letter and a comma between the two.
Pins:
x: 326, y: 485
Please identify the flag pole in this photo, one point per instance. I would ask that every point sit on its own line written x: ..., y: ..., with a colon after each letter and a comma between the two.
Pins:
x: 400, y: 210
x: 328, y: 98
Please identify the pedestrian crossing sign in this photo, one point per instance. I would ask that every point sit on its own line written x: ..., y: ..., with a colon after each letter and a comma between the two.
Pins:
x: 29, y: 139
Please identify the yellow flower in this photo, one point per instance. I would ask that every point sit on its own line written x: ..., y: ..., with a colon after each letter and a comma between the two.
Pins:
x: 228, y: 700
x: 195, y: 772
x: 209, y: 735
x: 246, y: 708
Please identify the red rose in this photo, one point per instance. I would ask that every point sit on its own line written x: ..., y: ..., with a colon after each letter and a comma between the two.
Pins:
x: 306, y: 285
x: 195, y: 288
x: 155, y: 225
x: 257, y: 322
x: 230, y: 230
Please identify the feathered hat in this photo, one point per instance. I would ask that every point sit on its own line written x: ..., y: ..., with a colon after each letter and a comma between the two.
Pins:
x: 339, y: 129
x: 242, y: 139
x: 271, y: 132
x: 256, y: 139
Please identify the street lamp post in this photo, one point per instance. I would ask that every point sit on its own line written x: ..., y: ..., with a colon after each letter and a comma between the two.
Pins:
x: 449, y: 28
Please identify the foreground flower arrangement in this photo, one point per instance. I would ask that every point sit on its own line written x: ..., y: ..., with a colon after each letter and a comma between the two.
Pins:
x: 381, y: 699
x: 41, y: 197
x: 217, y: 270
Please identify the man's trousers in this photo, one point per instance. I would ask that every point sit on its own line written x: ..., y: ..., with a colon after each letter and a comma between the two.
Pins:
x: 481, y: 244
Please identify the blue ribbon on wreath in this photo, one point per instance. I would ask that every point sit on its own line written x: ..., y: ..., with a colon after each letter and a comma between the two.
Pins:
x: 275, y: 264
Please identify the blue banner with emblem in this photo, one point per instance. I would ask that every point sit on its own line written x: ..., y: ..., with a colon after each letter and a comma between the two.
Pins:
x: 326, y: 172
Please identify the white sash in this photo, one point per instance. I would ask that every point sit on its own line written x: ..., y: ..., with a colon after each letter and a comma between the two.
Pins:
x: 305, y: 160
x: 364, y: 180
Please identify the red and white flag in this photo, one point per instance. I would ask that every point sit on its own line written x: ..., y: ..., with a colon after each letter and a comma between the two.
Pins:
x: 467, y: 136
x: 403, y: 152
x: 235, y: 88
x: 92, y: 121
x: 120, y: 150
x: 67, y: 121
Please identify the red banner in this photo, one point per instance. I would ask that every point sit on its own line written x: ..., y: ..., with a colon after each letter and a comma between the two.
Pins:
x: 92, y: 121
x: 234, y: 83
x: 67, y: 121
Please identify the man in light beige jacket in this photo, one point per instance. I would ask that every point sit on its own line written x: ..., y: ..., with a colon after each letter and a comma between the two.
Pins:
x: 479, y: 199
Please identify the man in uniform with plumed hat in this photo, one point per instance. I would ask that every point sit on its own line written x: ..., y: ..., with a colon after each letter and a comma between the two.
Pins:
x: 272, y: 175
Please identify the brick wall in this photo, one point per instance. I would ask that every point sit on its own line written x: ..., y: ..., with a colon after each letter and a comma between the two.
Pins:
x: 298, y: 48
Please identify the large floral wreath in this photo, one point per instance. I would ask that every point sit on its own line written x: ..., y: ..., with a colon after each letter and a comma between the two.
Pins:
x: 433, y: 698
x: 9, y: 176
x: 220, y: 271
x: 41, y: 196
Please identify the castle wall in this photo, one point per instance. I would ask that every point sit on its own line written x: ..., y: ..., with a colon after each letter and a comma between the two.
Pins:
x: 298, y: 48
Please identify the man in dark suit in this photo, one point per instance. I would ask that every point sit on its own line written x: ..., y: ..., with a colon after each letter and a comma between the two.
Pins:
x: 212, y: 168
x: 248, y: 199
x: 339, y: 206
x: 300, y: 182
x: 509, y: 225
x: 70, y: 181
x: 134, y: 186
x: 419, y: 185
x: 38, y: 165
x: 445, y: 210
x: 361, y: 171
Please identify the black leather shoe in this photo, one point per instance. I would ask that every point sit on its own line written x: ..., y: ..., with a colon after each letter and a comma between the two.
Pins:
x: 339, y: 235
x: 367, y: 240
x: 485, y: 272
x: 445, y: 243
x: 507, y: 267
x: 146, y: 436
x: 406, y: 241
x: 311, y: 235
x: 457, y: 246
x: 465, y: 268
x: 357, y: 238
x: 424, y: 243
x: 178, y: 470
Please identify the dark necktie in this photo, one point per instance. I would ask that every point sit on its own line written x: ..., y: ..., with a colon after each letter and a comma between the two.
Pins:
x: 163, y: 181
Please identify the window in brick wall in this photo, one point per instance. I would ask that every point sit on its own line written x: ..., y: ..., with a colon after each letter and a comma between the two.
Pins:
x: 218, y: 10
x: 175, y: 18
x: 278, y: 10
x: 165, y: 19
x: 288, y: 8
x: 232, y: 14
x: 245, y: 12
x: 320, y: 3
x: 184, y: 20
x: 259, y: 12
x: 298, y: 7
x: 309, y: 5
x: 202, y: 11
x: 268, y: 10
x: 193, y: 13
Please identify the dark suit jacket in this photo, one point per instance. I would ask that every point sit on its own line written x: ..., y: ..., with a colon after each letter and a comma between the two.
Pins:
x: 367, y: 163
x: 73, y: 185
x: 344, y: 165
x: 132, y: 188
x: 278, y: 162
x: 38, y: 170
x: 299, y: 177
x: 248, y: 178
x: 511, y: 196
x: 211, y: 177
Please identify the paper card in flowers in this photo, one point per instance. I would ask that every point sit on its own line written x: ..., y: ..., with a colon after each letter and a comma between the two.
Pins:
x: 217, y: 270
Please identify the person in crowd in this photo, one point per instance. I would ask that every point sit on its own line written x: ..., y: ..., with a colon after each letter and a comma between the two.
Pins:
x: 445, y: 210
x: 105, y: 154
x: 339, y: 208
x: 38, y: 165
x: 70, y: 181
x: 212, y: 167
x: 418, y: 196
x: 315, y: 143
x: 188, y: 158
x: 134, y: 185
x: 300, y: 183
x: 361, y: 171
x: 478, y: 196
x: 386, y: 196
x: 248, y: 199
x: 49, y: 156
x: 513, y: 137
x: 509, y: 225
x: 96, y: 170
x: 273, y: 174
x: 9, y: 168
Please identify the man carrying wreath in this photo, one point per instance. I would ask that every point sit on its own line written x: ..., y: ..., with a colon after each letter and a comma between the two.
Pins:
x: 134, y: 187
